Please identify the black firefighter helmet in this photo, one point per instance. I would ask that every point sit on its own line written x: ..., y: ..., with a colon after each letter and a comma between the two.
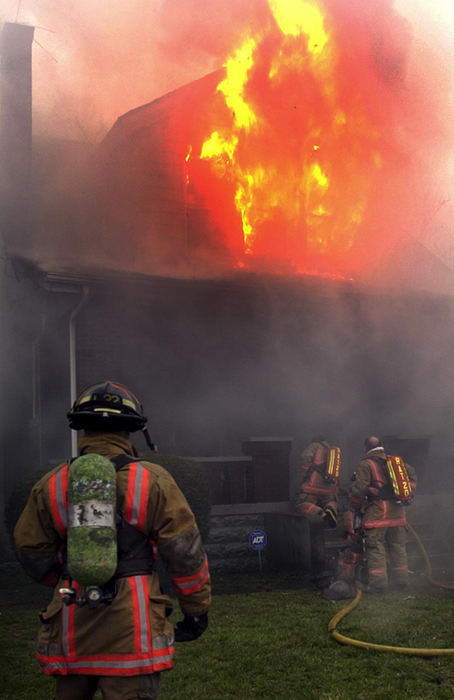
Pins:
x: 107, y: 407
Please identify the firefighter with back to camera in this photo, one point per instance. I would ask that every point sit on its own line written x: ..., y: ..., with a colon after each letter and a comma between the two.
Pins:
x: 115, y: 635
x: 317, y: 501
x: 382, y: 486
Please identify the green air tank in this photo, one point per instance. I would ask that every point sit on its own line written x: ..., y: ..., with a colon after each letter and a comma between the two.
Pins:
x: 92, y: 535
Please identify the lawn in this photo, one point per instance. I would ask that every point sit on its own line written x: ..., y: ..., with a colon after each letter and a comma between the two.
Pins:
x: 268, y: 638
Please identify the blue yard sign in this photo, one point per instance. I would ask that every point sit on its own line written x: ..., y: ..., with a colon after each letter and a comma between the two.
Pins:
x: 258, y: 540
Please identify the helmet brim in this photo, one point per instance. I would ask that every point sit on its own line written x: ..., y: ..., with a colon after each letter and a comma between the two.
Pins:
x: 105, y: 421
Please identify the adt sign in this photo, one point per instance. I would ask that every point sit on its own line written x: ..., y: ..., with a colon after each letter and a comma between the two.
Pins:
x: 257, y: 539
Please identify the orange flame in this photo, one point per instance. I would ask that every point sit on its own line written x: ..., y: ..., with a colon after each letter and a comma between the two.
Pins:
x: 299, y: 153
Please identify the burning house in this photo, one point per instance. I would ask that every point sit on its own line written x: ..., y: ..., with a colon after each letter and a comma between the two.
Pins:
x: 305, y: 155
x: 244, y: 253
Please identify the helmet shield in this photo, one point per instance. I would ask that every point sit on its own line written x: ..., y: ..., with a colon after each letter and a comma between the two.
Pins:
x: 107, y: 407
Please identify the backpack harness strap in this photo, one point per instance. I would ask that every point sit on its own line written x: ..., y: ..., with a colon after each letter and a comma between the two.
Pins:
x: 135, y: 552
x: 327, y: 462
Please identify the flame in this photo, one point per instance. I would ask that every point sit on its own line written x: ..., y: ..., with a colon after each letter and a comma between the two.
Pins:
x: 299, y: 152
x: 295, y: 17
x: 233, y: 86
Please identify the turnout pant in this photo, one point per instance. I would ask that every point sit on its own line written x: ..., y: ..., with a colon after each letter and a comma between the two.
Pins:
x: 75, y: 687
x: 319, y: 567
x: 347, y: 564
x: 384, y: 543
x: 312, y: 508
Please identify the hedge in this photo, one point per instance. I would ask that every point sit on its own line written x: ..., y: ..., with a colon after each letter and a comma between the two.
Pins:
x: 192, y: 479
x: 188, y: 473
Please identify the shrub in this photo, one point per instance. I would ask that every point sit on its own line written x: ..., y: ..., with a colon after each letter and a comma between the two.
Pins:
x: 19, y: 496
x: 188, y: 473
x: 193, y: 481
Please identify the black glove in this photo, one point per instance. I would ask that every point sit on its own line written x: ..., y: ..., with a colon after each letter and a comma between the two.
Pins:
x: 191, y: 627
x: 385, y: 492
x: 330, y: 516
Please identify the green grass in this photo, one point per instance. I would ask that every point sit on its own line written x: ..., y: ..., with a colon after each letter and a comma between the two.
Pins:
x: 269, y: 639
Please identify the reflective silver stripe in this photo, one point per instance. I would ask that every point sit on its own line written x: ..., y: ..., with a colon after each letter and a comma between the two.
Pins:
x: 137, y: 494
x: 139, y: 663
x: 143, y: 614
x: 60, y: 497
x: 65, y: 630
x: 191, y: 584
x: 162, y: 642
x: 194, y: 581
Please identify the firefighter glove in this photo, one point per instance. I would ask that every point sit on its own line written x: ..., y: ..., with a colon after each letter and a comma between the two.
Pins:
x: 330, y: 516
x: 385, y: 493
x: 191, y: 627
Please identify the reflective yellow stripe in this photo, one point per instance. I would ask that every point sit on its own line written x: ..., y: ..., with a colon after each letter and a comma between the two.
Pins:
x: 334, y: 462
x: 399, y: 477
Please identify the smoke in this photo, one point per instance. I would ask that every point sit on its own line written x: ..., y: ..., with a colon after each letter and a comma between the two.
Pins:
x: 218, y: 363
x: 95, y: 61
x: 92, y: 62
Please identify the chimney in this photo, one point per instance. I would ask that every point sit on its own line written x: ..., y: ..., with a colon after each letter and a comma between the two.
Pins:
x: 16, y: 123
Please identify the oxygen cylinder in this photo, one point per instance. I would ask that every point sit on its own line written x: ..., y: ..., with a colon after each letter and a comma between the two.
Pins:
x: 92, y: 535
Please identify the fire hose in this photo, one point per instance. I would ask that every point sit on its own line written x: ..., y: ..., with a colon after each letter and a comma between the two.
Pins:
x: 342, y: 639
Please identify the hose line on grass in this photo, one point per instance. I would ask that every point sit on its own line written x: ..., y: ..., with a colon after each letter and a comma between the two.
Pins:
x: 332, y: 625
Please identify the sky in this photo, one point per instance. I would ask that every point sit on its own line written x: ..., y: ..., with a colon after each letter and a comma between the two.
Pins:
x: 93, y: 60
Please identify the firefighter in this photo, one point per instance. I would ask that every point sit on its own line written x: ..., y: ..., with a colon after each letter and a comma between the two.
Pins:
x: 351, y: 559
x: 382, y: 513
x: 122, y: 644
x: 317, y: 501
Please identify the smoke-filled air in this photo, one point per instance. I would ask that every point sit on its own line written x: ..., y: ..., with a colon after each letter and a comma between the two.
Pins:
x: 243, y: 210
x: 322, y: 144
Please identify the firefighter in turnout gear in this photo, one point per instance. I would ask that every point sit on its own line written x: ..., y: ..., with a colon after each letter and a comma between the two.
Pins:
x: 317, y: 501
x: 381, y: 489
x: 351, y: 561
x: 117, y: 637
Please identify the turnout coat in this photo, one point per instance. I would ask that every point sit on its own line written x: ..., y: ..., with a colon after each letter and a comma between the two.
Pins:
x: 132, y: 635
x: 315, y: 492
x: 366, y: 492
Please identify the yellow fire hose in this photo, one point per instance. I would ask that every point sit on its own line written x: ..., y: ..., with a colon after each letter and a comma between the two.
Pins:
x: 332, y: 625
